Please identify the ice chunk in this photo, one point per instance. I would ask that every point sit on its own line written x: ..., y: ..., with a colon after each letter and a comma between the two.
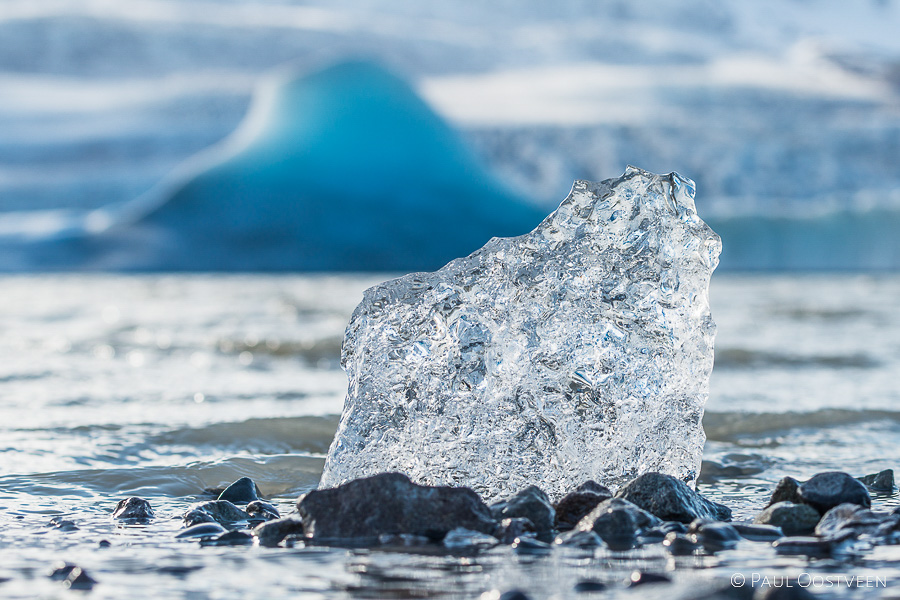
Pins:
x: 581, y: 350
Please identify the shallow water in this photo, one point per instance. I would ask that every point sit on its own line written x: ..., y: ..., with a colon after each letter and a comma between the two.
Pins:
x: 162, y: 386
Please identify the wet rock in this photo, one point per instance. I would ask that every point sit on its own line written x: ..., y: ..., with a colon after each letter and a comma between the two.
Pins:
x: 242, y: 491
x: 618, y: 522
x: 642, y: 577
x: 589, y: 585
x: 509, y: 529
x: 262, y: 511
x: 62, y: 524
x: 530, y: 503
x: 78, y: 579
x: 61, y: 570
x: 222, y: 512
x: 826, y: 490
x: 671, y: 499
x: 403, y: 540
x: 133, y: 510
x: 733, y: 465
x: 462, y: 538
x: 793, y: 519
x: 201, y: 530
x: 848, y: 520
x: 657, y: 534
x: 681, y: 544
x: 592, y: 486
x: 271, y: 533
x: 575, y: 505
x: 788, y: 590
x: 390, y: 503
x: 579, y: 539
x: 715, y: 536
x: 883, y: 481
x: 529, y: 545
x: 807, y: 546
x: 757, y: 532
x: 104, y: 544
x: 785, y: 491
x: 229, y: 538
x: 514, y: 595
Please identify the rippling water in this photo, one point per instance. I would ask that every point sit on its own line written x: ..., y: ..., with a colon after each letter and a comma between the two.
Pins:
x: 163, y: 386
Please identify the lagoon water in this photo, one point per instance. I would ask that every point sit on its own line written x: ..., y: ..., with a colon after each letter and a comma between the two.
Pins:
x: 162, y: 386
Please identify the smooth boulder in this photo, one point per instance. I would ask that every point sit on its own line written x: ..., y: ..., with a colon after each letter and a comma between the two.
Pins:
x: 826, y: 490
x: 793, y: 519
x: 671, y: 499
x: 389, y: 503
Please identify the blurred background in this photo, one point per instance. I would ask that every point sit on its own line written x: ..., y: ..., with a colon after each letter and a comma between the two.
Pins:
x: 391, y: 135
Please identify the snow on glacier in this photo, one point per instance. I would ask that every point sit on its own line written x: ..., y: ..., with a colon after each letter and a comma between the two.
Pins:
x: 581, y: 350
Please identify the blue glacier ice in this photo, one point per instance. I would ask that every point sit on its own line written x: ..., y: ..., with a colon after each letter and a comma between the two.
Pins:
x: 342, y: 169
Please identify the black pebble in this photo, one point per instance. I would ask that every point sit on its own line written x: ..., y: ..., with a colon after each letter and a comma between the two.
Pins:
x: 589, y: 586
x: 514, y: 595
x: 640, y: 578
x: 78, y: 579
x: 242, y: 491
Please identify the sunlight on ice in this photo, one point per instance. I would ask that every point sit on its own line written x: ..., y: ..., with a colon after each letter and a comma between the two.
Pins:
x: 581, y: 350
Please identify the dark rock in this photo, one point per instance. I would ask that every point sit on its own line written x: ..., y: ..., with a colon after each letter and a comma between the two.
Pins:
x: 62, y: 524
x: 530, y: 503
x: 401, y: 540
x: 229, y: 538
x: 390, y: 503
x: 222, y: 512
x: 575, y: 505
x: 733, y: 465
x: 61, y: 570
x: 788, y: 590
x: 848, y: 520
x: 272, y: 533
x: 807, y: 546
x: 883, y: 481
x: 618, y: 522
x: 514, y: 595
x: 826, y: 490
x: 757, y: 532
x: 579, y: 539
x: 201, y: 530
x: 262, y: 510
x: 657, y: 534
x: 785, y: 491
x: 466, y: 539
x: 592, y: 486
x: 104, y: 544
x: 242, y: 491
x: 134, y: 510
x: 715, y: 536
x: 589, y: 585
x: 509, y: 529
x: 78, y: 579
x: 793, y: 519
x: 681, y: 544
x: 529, y: 545
x: 641, y: 578
x: 671, y: 499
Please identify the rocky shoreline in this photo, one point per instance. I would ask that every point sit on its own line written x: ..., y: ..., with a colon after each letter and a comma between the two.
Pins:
x: 825, y: 516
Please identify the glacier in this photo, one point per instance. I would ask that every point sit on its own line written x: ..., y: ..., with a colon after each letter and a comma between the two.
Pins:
x: 343, y: 168
x: 581, y: 350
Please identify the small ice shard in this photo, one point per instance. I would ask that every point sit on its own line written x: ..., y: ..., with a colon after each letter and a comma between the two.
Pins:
x: 581, y: 350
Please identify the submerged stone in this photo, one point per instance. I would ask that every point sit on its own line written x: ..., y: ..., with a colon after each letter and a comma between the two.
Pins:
x: 133, y: 510
x: 581, y: 350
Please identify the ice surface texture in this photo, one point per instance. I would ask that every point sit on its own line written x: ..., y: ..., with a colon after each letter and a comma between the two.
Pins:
x: 581, y: 350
